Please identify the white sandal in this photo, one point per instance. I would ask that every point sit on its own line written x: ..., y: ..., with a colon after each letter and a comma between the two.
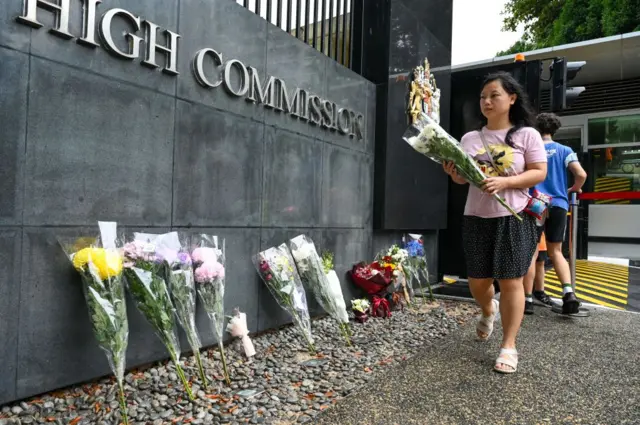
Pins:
x: 485, y: 324
x: 507, y: 357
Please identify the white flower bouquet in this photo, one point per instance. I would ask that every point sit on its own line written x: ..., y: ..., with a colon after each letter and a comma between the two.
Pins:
x: 427, y: 137
x: 313, y: 273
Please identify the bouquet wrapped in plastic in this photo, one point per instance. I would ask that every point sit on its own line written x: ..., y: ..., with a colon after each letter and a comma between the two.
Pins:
x: 208, y: 258
x: 427, y: 137
x: 176, y: 253
x: 99, y: 262
x: 417, y: 267
x: 360, y: 309
x: 145, y: 271
x: 237, y: 327
x: 335, y: 288
x: 373, y: 279
x: 395, y: 260
x: 276, y: 268
x: 312, y: 272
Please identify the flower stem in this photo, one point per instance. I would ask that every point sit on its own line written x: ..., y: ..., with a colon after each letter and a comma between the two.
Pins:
x: 345, y: 333
x: 298, y: 322
x: 224, y: 364
x: 507, y: 206
x: 421, y: 288
x: 123, y: 403
x: 426, y: 276
x: 183, y: 378
x: 431, y: 298
x: 203, y: 376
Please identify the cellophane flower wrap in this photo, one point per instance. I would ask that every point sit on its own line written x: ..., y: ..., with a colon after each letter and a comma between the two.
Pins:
x: 312, y: 272
x: 99, y: 262
x: 145, y: 269
x: 417, y: 267
x: 393, y: 261
x: 428, y: 138
x: 371, y: 278
x: 335, y: 288
x: 208, y: 256
x: 175, y: 249
x: 278, y: 271
x: 238, y: 328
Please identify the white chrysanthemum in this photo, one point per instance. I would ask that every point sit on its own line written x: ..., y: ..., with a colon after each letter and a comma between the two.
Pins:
x: 430, y: 131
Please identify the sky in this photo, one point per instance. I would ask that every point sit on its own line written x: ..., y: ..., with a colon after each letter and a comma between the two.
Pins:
x: 477, y: 34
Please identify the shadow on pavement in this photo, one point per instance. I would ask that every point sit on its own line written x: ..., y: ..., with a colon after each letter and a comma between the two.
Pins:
x: 571, y: 371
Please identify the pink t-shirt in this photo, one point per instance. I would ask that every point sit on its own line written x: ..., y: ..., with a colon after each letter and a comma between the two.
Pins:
x: 529, y: 149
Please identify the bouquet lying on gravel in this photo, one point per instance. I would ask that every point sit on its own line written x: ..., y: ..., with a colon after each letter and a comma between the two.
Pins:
x: 416, y: 265
x: 428, y: 138
x: 145, y: 271
x: 360, y: 309
x: 276, y: 268
x: 394, y: 260
x: 209, y: 260
x: 99, y: 262
x: 175, y: 252
x: 237, y: 327
x: 313, y: 273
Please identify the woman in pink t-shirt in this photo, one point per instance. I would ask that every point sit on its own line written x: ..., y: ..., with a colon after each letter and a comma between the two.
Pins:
x: 496, y: 244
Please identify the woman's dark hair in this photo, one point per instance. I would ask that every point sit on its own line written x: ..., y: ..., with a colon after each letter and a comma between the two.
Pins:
x: 548, y: 123
x: 521, y: 113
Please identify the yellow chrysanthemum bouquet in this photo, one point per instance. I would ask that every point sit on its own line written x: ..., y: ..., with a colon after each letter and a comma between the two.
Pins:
x: 99, y: 262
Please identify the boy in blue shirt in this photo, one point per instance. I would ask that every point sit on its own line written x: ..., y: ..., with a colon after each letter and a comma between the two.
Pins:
x: 560, y: 158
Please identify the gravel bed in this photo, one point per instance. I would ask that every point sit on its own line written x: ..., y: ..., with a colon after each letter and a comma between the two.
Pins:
x: 282, y: 384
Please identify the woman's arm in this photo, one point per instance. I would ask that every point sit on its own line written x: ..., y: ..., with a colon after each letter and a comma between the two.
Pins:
x: 535, y: 173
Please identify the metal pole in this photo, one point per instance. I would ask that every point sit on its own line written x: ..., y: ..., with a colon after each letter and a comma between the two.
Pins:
x: 574, y: 237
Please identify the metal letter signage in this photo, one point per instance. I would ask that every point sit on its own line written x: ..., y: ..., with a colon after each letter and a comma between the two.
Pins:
x: 209, y: 68
x: 107, y: 37
x: 89, y: 23
x: 61, y: 11
x: 171, y: 50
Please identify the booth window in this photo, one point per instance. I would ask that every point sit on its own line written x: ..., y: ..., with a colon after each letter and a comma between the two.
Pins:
x: 614, y: 130
x: 615, y: 170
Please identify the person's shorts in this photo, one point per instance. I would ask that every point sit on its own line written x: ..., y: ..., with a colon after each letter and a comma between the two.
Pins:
x: 542, y: 256
x: 555, y: 225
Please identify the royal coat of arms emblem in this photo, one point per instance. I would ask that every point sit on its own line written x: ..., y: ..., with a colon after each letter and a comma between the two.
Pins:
x: 424, y: 95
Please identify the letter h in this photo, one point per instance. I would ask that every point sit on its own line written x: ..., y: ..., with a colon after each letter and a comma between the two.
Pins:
x: 171, y: 50
x: 59, y: 8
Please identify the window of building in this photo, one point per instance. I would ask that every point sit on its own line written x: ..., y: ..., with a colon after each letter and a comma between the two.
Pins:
x: 615, y: 169
x: 614, y: 130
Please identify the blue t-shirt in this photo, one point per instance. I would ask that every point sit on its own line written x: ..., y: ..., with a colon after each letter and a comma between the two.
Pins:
x: 555, y: 185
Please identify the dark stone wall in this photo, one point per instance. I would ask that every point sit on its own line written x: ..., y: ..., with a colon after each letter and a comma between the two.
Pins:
x: 411, y: 191
x: 85, y: 136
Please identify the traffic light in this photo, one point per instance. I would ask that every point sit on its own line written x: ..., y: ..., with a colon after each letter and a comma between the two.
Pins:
x: 562, y: 72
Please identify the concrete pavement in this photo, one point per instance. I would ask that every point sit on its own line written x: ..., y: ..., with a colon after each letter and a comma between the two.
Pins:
x: 571, y: 371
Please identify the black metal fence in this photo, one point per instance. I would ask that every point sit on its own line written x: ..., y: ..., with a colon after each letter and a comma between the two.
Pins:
x: 327, y: 25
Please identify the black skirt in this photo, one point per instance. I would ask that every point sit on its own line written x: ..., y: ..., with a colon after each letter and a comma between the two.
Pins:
x: 499, y: 248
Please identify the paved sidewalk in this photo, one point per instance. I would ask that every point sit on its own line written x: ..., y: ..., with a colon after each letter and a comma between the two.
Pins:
x: 571, y: 371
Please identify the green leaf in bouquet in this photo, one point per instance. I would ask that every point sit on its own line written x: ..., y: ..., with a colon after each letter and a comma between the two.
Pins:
x: 149, y: 290
x: 183, y: 293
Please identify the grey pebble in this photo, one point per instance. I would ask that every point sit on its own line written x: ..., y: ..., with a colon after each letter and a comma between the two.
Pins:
x: 156, y: 396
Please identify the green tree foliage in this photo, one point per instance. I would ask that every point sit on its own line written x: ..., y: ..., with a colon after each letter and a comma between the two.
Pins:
x: 519, y: 47
x: 555, y: 22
